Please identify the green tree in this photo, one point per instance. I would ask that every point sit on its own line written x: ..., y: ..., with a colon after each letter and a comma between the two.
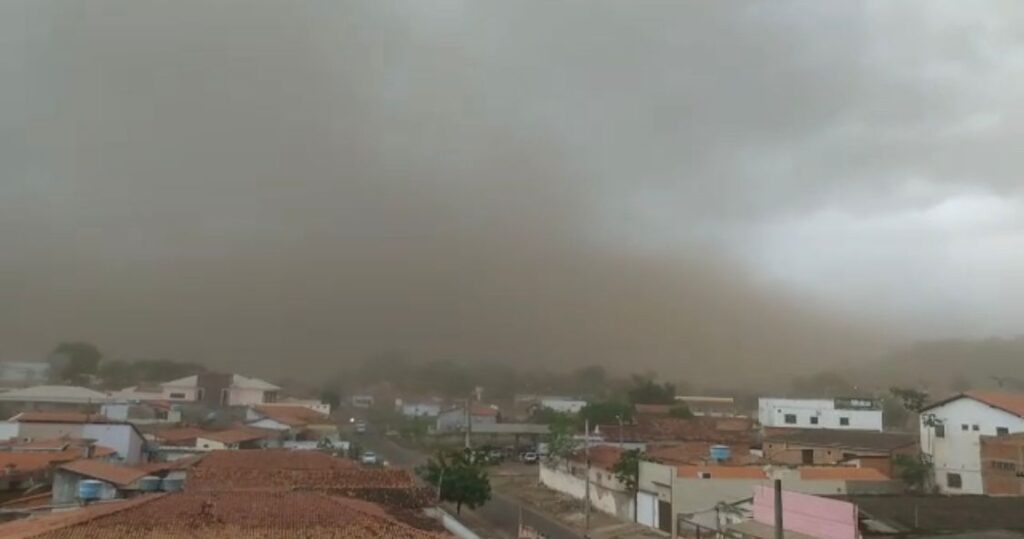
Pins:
x: 606, y: 413
x: 627, y: 469
x: 78, y: 360
x: 561, y: 443
x: 680, y: 411
x: 547, y: 416
x: 914, y: 471
x: 458, y: 479
x: 913, y: 400
x: 646, y: 391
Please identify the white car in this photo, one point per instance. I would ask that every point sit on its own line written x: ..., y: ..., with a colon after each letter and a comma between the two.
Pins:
x: 530, y: 457
x: 368, y: 457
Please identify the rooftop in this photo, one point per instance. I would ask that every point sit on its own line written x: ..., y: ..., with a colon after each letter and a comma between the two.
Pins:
x: 105, y: 471
x: 48, y: 393
x: 35, y: 461
x: 179, y: 435
x: 696, y: 452
x: 241, y: 434
x: 670, y: 429
x: 267, y: 515
x: 1008, y: 402
x: 722, y: 472
x: 295, y: 416
x: 945, y: 514
x: 841, y: 473
x: 846, y: 439
x: 59, y: 417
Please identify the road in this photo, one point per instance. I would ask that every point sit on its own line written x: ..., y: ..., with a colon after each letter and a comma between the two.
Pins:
x: 501, y: 512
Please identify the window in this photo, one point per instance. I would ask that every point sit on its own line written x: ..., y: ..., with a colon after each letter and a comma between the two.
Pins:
x: 974, y: 428
x: 940, y: 431
x: 807, y: 456
x: 844, y: 421
x: 953, y: 480
x: 177, y: 395
x: 1002, y: 431
x: 199, y: 394
x: 964, y: 426
x: 1004, y: 465
x: 814, y: 420
x: 790, y: 419
x: 704, y: 475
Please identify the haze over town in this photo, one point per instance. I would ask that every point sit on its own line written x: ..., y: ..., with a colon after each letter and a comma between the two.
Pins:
x: 294, y: 187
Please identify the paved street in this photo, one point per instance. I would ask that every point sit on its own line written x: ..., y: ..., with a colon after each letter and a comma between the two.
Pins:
x: 502, y: 512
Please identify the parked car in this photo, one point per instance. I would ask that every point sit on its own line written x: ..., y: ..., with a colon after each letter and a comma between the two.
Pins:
x: 530, y: 457
x: 495, y: 456
x: 368, y: 457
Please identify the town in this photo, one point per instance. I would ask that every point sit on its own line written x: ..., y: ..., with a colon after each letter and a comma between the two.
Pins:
x: 236, y: 455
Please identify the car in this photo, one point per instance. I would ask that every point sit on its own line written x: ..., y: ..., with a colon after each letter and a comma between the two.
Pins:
x: 530, y: 457
x: 368, y: 457
x: 495, y: 456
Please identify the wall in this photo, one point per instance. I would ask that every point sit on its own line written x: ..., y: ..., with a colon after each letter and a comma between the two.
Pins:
x: 65, y: 488
x: 809, y: 515
x: 788, y: 453
x: 8, y: 430
x: 46, y: 431
x: 209, y: 445
x: 563, y: 405
x: 117, y: 412
x: 607, y: 494
x: 421, y: 410
x: 772, y: 413
x: 191, y: 394
x: 1002, y: 458
x: 122, y: 438
x: 960, y: 451
x: 245, y: 397
x: 450, y: 420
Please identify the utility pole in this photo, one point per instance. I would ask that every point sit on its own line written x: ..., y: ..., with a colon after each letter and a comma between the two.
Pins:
x: 586, y: 494
x: 780, y: 532
x: 469, y: 425
x: 619, y: 417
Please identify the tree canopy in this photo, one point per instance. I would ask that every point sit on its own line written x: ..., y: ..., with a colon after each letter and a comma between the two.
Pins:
x: 459, y: 479
x: 646, y: 391
x: 75, y: 360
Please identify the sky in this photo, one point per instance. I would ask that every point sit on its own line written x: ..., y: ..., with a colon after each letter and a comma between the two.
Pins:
x: 681, y: 186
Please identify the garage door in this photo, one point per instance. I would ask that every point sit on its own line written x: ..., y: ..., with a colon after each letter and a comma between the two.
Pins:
x: 647, y: 509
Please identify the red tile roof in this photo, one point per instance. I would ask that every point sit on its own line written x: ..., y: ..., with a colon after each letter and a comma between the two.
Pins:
x: 266, y: 515
x: 179, y: 435
x: 179, y: 464
x: 1010, y: 402
x: 105, y: 471
x: 601, y: 456
x: 295, y: 416
x: 670, y: 429
x: 697, y: 452
x: 652, y: 409
x: 36, y: 461
x: 241, y: 434
x: 277, y: 459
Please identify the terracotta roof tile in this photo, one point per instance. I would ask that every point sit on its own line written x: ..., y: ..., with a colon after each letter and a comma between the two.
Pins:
x: 42, y: 525
x: 238, y: 435
x: 601, y: 456
x: 697, y: 452
x: 36, y: 461
x: 105, y: 471
x: 293, y: 415
x: 670, y: 429
x: 1010, y: 402
x: 266, y: 515
x: 179, y: 435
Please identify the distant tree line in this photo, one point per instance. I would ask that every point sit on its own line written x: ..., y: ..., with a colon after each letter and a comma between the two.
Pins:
x: 82, y: 363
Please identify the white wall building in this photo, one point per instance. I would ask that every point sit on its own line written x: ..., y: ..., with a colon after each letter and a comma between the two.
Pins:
x: 950, y: 431
x: 242, y: 391
x: 420, y: 409
x: 124, y: 438
x: 563, y: 405
x: 853, y: 414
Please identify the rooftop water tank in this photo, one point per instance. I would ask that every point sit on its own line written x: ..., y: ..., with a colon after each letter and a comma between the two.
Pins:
x: 90, y: 489
x: 172, y: 484
x: 149, y: 483
x: 720, y: 453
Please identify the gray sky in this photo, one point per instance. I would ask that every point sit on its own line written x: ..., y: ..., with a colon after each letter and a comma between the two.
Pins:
x: 301, y: 184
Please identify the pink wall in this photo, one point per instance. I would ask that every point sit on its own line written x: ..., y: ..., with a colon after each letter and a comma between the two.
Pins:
x: 811, y: 515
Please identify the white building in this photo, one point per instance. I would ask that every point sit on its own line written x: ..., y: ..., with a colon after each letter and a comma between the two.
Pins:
x: 853, y: 414
x: 563, y: 405
x: 950, y: 431
x: 18, y: 373
x: 240, y: 391
x: 53, y: 398
x: 124, y: 438
x: 420, y: 409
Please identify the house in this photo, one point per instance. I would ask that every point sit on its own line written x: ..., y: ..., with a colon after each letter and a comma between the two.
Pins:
x: 31, y: 466
x: 124, y: 438
x: 690, y: 490
x: 803, y: 515
x: 650, y: 430
x: 23, y: 373
x: 844, y: 413
x: 701, y: 453
x: 179, y: 436
x: 51, y: 398
x: 564, y: 405
x: 362, y: 401
x: 238, y: 438
x: 951, y: 431
x: 115, y: 481
x: 142, y: 413
x: 419, y: 409
x: 313, y: 404
x: 607, y: 493
x: 828, y: 446
x: 454, y: 419
x: 215, y: 389
x: 294, y: 422
x: 1002, y: 464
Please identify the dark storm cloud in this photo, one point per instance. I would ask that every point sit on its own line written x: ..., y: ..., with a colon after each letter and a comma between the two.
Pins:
x: 260, y: 184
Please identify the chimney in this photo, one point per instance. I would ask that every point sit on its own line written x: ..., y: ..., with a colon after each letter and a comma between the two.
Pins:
x: 88, y: 450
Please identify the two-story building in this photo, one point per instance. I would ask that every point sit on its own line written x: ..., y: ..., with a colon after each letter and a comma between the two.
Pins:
x: 951, y: 432
x: 839, y: 413
x: 214, y: 389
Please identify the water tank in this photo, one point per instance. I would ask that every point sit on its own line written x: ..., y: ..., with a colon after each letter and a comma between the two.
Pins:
x: 90, y: 489
x: 720, y: 453
x: 149, y: 483
x: 172, y: 484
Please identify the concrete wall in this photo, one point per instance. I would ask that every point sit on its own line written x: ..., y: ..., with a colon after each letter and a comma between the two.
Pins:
x: 959, y: 452
x: 209, y: 445
x: 8, y: 430
x: 187, y: 394
x: 44, y: 431
x: 607, y: 494
x: 65, y: 488
x: 247, y: 396
x: 421, y: 410
x: 122, y: 438
x: 773, y: 412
